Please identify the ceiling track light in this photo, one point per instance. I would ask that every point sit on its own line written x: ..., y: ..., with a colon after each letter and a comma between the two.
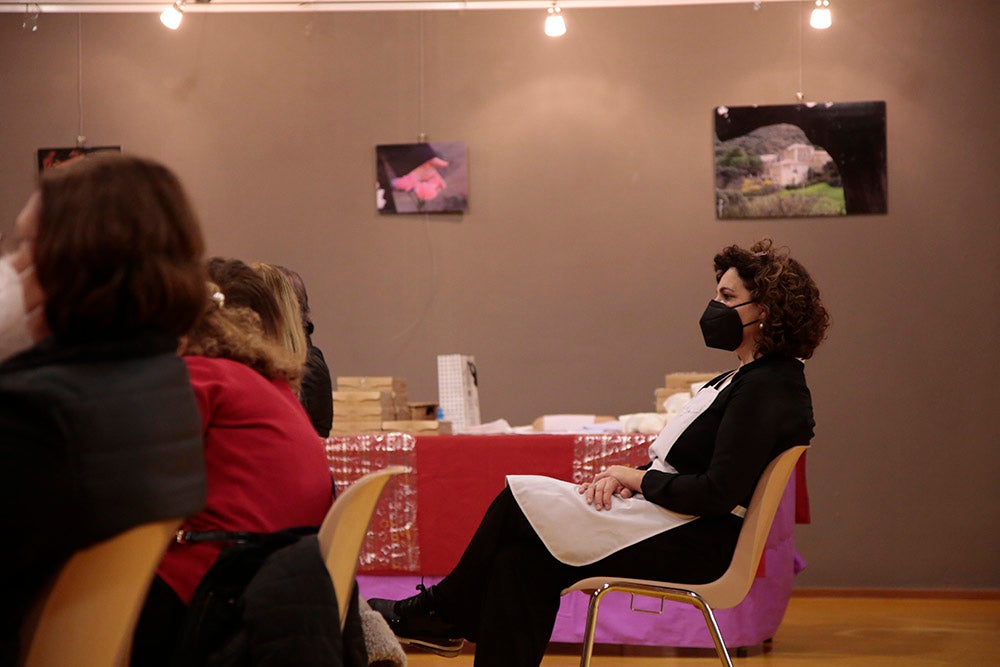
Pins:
x: 30, y: 21
x: 173, y: 15
x: 555, y: 24
x: 821, y: 19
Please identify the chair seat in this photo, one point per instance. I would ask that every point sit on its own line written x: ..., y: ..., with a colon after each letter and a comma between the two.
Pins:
x: 594, y: 583
x: 88, y: 616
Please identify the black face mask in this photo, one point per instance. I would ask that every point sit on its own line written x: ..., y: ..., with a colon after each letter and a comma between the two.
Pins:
x: 721, y: 325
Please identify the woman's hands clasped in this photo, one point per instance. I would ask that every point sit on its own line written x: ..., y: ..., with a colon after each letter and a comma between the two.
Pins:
x: 621, y: 481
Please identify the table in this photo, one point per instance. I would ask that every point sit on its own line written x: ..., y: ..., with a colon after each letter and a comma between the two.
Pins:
x: 428, y: 516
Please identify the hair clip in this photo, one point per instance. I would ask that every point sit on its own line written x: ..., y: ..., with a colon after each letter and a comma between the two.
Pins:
x: 219, y: 298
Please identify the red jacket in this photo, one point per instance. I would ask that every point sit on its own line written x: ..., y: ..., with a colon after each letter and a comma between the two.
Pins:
x: 266, y: 467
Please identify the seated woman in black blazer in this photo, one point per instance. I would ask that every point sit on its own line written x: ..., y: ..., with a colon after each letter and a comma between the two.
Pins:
x: 677, y: 518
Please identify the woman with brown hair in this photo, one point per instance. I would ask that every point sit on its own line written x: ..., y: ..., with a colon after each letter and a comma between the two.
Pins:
x: 265, y: 465
x: 99, y: 429
x: 677, y: 518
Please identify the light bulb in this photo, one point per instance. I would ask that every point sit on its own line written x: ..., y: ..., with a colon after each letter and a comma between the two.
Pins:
x: 555, y: 25
x: 172, y: 15
x: 821, y: 19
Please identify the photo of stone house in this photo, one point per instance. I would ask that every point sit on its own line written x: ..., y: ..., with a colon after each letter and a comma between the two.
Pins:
x: 790, y: 160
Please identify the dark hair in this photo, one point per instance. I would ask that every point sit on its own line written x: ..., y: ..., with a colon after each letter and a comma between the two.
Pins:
x: 244, y: 287
x: 796, y: 320
x: 118, y: 250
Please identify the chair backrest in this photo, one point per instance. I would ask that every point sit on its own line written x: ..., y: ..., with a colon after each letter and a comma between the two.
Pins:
x: 730, y: 589
x: 344, y: 529
x: 88, y: 615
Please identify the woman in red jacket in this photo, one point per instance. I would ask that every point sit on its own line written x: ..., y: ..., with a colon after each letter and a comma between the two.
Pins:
x: 266, y: 467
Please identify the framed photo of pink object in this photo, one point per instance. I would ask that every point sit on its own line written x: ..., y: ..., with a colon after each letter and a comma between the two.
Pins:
x: 421, y: 178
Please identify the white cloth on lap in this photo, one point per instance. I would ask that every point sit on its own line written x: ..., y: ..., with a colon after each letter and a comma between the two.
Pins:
x: 576, y: 533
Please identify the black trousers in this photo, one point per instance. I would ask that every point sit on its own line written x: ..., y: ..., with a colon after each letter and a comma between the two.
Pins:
x: 504, y: 593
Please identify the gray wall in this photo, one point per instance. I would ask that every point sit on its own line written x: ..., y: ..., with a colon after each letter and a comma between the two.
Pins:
x: 579, y: 273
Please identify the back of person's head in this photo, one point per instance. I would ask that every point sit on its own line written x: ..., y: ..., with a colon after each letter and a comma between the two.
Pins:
x: 293, y: 336
x: 299, y: 286
x: 234, y: 332
x: 118, y: 250
x: 796, y: 321
x: 245, y: 287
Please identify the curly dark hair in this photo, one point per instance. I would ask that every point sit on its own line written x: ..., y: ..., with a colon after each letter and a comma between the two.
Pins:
x: 796, y: 320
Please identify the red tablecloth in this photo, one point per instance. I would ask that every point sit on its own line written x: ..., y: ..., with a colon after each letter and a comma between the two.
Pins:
x: 458, y: 477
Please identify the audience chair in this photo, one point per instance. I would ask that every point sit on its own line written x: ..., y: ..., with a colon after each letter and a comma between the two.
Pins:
x: 726, y: 591
x: 87, y: 617
x: 344, y: 530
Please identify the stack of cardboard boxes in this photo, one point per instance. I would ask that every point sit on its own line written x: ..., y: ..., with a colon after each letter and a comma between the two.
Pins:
x: 678, y: 383
x: 379, y: 404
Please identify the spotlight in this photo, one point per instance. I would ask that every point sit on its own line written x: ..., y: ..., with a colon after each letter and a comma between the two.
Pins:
x: 30, y: 21
x: 555, y: 25
x: 821, y: 19
x: 172, y: 15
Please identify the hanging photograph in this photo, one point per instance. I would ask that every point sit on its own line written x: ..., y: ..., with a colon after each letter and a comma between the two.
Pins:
x: 51, y: 157
x: 800, y: 160
x: 422, y: 178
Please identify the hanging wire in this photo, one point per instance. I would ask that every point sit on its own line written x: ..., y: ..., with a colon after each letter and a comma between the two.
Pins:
x: 431, y: 262
x: 420, y: 83
x: 800, y: 94
x: 80, y: 139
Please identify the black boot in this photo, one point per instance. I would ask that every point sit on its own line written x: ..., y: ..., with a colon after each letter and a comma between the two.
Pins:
x: 415, y: 622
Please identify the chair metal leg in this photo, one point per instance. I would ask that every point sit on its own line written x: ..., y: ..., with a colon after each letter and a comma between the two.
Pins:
x: 676, y: 595
x: 591, y: 628
x: 713, y: 629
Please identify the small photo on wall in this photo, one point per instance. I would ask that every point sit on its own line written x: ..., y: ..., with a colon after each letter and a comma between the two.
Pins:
x: 53, y: 157
x: 422, y: 178
x: 800, y: 160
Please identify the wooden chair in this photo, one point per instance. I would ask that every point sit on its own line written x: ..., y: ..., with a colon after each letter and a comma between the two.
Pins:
x: 88, y: 615
x: 344, y: 530
x: 726, y: 591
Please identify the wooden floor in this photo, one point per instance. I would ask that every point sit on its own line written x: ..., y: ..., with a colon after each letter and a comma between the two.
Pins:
x: 837, y: 631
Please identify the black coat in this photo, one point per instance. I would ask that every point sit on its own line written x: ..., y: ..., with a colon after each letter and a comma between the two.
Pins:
x: 317, y: 391
x: 94, y: 439
x: 288, y: 616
